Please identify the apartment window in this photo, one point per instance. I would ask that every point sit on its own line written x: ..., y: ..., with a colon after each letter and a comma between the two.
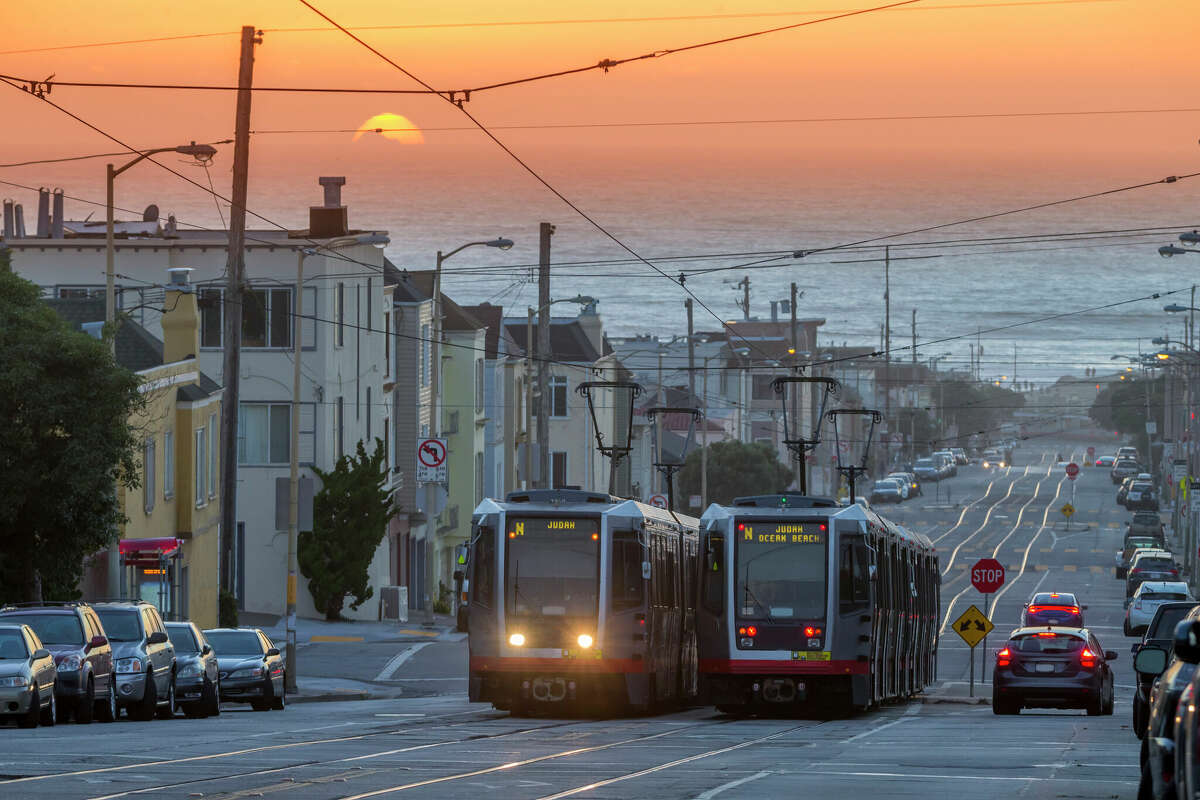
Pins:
x: 424, y: 355
x: 558, y: 396
x: 201, y: 458
x: 340, y: 313
x: 77, y: 292
x: 148, y: 470
x: 266, y: 317
x: 478, y: 384
x: 212, y: 456
x: 558, y: 469
x: 340, y: 424
x: 387, y: 345
x: 264, y: 433
x: 168, y: 465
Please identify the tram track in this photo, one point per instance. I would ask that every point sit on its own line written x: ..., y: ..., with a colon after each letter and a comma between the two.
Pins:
x: 949, y: 564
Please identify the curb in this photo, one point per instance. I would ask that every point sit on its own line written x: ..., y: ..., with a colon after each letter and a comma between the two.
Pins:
x: 329, y: 697
x: 962, y: 701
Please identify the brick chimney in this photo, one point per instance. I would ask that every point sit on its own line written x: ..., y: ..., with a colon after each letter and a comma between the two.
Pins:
x: 330, y: 219
x: 181, y: 320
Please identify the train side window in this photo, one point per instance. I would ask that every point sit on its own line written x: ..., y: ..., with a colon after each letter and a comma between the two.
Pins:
x: 629, y: 588
x: 854, y: 575
x: 483, y: 568
x: 712, y: 592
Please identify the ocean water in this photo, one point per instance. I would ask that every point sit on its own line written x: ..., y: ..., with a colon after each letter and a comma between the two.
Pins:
x: 665, y: 203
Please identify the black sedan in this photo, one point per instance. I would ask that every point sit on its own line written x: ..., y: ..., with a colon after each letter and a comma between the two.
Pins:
x: 1052, y: 668
x: 197, y: 683
x: 251, y: 668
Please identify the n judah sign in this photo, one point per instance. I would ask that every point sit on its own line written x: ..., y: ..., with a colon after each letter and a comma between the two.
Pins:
x: 431, y: 461
x: 1072, y: 470
x: 972, y: 626
x: 987, y: 575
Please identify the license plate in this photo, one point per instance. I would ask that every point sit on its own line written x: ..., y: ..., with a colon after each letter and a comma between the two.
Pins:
x: 1044, y: 668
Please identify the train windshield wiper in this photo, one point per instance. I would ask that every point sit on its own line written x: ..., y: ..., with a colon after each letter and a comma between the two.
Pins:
x: 753, y: 598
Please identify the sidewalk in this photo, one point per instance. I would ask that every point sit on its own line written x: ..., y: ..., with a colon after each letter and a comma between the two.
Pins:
x: 957, y: 692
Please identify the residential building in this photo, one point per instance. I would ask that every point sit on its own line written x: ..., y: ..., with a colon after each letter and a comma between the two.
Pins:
x: 168, y: 547
x: 343, y: 354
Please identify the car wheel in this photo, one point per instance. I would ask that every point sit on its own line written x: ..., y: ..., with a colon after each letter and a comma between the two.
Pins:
x: 148, y: 707
x: 280, y: 702
x: 50, y: 712
x: 63, y: 715
x: 85, y: 707
x: 268, y: 697
x: 1095, y: 707
x: 31, y: 718
x: 1128, y: 631
x: 107, y: 708
x: 1145, y: 785
x: 168, y: 711
x: 212, y: 700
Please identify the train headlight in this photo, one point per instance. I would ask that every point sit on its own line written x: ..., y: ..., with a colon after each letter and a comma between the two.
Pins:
x: 584, y: 640
x: 517, y: 640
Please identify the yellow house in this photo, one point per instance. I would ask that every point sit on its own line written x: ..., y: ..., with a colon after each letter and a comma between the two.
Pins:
x: 168, y: 548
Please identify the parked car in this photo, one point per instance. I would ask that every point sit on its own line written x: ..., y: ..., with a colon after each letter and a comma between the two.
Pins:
x: 1123, y: 489
x: 1186, y: 737
x: 27, y: 677
x: 949, y: 465
x: 1052, y: 667
x: 909, y: 477
x: 886, y: 491
x: 1132, y: 545
x: 1146, y: 600
x: 901, y: 478
x: 1053, y: 608
x: 1167, y: 767
x: 197, y: 676
x: 1126, y: 452
x: 1146, y: 523
x: 144, y: 656
x: 251, y: 668
x: 1105, y: 461
x: 1160, y: 633
x: 1123, y: 468
x: 927, y: 469
x: 960, y: 456
x: 1149, y: 565
x: 1141, y: 495
x: 85, y: 685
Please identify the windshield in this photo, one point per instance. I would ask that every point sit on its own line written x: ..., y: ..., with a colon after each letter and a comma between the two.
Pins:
x: 552, y: 567
x: 781, y: 569
x: 120, y: 625
x: 1164, y: 596
x: 235, y: 643
x: 12, y: 645
x: 54, y: 628
x: 1166, y: 620
x: 1052, y: 643
x: 1052, y: 599
x: 1155, y: 563
x: 182, y: 639
x: 924, y: 462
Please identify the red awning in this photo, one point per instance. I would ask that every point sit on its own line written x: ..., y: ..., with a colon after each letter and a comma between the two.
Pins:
x: 147, y: 546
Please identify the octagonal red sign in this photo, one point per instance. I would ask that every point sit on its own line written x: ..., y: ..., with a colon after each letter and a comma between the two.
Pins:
x: 987, y: 575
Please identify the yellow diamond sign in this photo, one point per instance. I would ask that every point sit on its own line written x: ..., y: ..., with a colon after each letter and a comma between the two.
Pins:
x: 1067, y: 510
x: 972, y: 626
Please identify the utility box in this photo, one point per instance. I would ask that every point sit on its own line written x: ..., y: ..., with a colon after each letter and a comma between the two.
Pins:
x: 393, y: 603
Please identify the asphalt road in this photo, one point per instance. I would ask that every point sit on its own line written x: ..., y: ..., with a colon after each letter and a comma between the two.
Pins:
x: 432, y: 743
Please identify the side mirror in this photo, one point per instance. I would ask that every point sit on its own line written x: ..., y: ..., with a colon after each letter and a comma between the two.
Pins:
x: 97, y: 641
x: 206, y: 649
x: 1150, y: 661
x: 1187, y: 641
x: 158, y: 637
x: 274, y: 651
x: 1135, y: 647
x: 1110, y: 655
x: 40, y: 653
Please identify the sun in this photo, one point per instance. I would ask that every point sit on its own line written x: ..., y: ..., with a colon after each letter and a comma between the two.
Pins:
x: 396, y: 127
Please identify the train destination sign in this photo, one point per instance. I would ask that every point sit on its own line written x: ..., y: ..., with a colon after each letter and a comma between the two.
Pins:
x: 782, y: 533
x: 546, y: 526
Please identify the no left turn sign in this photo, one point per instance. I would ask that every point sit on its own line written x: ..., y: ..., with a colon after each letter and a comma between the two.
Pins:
x: 431, y: 461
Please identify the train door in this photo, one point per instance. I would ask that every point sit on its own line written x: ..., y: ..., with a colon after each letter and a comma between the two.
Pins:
x: 688, y: 655
x: 711, y: 628
x: 854, y: 619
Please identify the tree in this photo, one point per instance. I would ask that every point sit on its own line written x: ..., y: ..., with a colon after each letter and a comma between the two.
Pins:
x: 1123, y: 405
x: 975, y: 408
x: 350, y: 517
x: 65, y: 444
x: 735, y: 470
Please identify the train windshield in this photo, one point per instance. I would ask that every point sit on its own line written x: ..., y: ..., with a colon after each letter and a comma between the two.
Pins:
x: 552, y: 567
x: 781, y: 570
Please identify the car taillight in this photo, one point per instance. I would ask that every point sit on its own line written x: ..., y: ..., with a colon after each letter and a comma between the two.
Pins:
x: 1087, y: 659
x: 1004, y: 658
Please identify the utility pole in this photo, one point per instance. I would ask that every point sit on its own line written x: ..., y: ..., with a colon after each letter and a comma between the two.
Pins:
x: 887, y: 353
x: 704, y: 443
x: 232, y: 307
x: 691, y: 352
x: 914, y: 342
x: 744, y: 283
x: 545, y: 231
x: 1015, y: 367
x: 529, y: 484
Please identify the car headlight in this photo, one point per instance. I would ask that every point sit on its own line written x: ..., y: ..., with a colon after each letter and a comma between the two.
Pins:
x: 128, y: 666
x: 517, y: 640
x: 14, y: 681
x: 70, y: 663
x: 584, y: 640
x: 249, y: 672
x: 190, y: 670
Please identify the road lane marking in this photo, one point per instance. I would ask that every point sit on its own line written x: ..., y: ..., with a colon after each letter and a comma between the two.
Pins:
x: 876, y: 729
x: 397, y: 661
x: 1068, y: 567
x: 324, y: 638
x: 716, y: 790
x: 933, y: 776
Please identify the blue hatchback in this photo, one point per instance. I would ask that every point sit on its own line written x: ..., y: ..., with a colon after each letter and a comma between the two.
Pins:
x: 1053, y: 608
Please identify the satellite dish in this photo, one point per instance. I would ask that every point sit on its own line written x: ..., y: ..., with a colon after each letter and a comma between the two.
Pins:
x: 150, y: 214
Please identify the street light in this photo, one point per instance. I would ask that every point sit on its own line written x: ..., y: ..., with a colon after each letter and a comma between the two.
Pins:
x: 376, y: 240
x: 203, y: 153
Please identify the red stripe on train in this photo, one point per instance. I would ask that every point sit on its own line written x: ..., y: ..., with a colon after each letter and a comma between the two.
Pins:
x: 557, y: 665
x: 728, y: 666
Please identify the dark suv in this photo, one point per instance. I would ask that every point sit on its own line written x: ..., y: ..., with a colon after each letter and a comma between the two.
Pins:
x: 71, y: 631
x: 1173, y: 693
x: 144, y: 656
x: 1160, y: 633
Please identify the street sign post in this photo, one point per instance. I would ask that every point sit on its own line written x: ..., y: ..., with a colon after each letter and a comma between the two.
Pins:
x: 987, y: 576
x: 1068, y: 511
x: 431, y: 461
x: 973, y: 627
x: 1091, y: 451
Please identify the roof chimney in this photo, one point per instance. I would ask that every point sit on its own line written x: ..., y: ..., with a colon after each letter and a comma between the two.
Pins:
x: 43, y: 222
x: 56, y: 219
x: 330, y: 219
x: 180, y: 320
x: 19, y: 221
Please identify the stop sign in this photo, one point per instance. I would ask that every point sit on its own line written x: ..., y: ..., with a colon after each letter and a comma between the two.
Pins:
x: 1072, y: 470
x: 987, y: 575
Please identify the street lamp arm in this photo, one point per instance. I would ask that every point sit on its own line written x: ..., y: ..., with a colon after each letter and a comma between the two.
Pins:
x: 201, y: 152
x: 503, y: 244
